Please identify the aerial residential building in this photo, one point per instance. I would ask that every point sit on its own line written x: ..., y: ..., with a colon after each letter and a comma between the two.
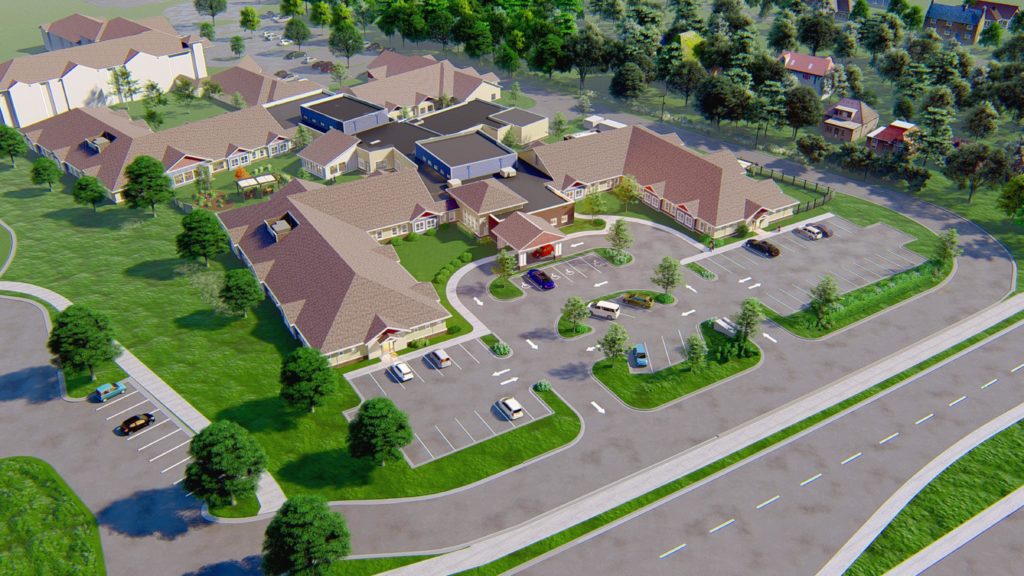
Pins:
x: 962, y: 23
x: 997, y: 12
x: 36, y: 87
x: 257, y: 88
x: 413, y: 85
x: 101, y: 142
x: 338, y: 290
x: 523, y: 233
x: 79, y: 29
x: 330, y: 155
x: 495, y: 120
x: 465, y: 156
x: 848, y: 120
x: 892, y: 138
x: 710, y: 194
x: 343, y: 112
x: 809, y: 70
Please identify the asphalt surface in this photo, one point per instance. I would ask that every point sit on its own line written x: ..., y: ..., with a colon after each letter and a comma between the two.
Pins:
x: 788, y: 511
x: 996, y: 551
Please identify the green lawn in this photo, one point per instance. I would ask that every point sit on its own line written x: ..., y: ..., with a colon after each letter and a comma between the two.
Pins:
x: 246, y: 506
x: 6, y: 244
x: 702, y: 271
x: 504, y: 289
x: 646, y: 390
x: 584, y: 225
x: 567, y: 329
x: 523, y: 101
x: 224, y: 181
x: 425, y: 256
x: 979, y: 479
x: 176, y: 114
x: 44, y: 527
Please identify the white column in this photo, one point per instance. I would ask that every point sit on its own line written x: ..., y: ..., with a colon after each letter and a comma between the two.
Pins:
x: 558, y: 249
x: 522, y: 259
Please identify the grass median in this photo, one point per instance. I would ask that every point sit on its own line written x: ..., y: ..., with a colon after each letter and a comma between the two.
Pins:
x: 504, y: 289
x: 46, y: 527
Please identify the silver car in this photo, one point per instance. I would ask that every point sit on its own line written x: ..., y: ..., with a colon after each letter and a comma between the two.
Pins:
x: 510, y: 408
x: 809, y: 232
x: 401, y: 372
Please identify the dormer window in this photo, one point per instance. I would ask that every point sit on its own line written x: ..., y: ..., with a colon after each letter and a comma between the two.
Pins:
x: 282, y: 226
x: 100, y: 142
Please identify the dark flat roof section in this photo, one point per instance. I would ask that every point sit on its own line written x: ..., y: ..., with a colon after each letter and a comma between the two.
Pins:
x: 518, y: 117
x: 399, y: 135
x: 344, y: 108
x: 461, y: 117
x: 464, y: 149
x: 530, y: 184
x: 289, y: 113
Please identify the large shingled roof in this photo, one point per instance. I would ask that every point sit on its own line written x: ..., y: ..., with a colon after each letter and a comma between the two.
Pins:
x: 401, y: 81
x: 257, y: 88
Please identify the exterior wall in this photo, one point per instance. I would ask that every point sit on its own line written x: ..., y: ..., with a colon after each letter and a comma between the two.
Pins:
x: 465, y: 171
x: 485, y: 91
x: 474, y: 222
x: 53, y: 42
x: 531, y: 132
x: 384, y: 159
x: 954, y: 30
x: 816, y: 82
x: 841, y: 134
x: 322, y: 122
x: 561, y: 215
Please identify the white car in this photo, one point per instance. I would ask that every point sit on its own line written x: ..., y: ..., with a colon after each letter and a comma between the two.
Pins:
x: 510, y: 408
x: 309, y: 59
x: 285, y: 42
x: 401, y: 372
x: 810, y: 232
x: 282, y: 18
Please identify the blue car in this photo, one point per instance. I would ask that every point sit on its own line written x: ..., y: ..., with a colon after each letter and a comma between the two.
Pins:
x: 107, y: 391
x: 540, y: 279
x: 640, y: 355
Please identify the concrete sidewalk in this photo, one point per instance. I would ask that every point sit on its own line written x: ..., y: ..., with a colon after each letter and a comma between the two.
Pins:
x: 268, y: 492
x: 492, y: 547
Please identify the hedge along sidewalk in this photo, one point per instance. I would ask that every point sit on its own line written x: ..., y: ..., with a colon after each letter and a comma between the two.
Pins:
x: 729, y: 447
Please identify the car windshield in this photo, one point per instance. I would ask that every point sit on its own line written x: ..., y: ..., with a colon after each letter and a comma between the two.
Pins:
x: 641, y: 354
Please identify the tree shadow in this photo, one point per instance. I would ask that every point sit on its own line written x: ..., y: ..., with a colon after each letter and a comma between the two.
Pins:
x: 248, y: 566
x: 333, y: 468
x: 35, y: 385
x: 208, y: 320
x: 268, y: 414
x: 270, y: 328
x: 25, y: 193
x: 166, y: 513
x: 571, y: 371
x: 163, y: 269
x: 84, y: 217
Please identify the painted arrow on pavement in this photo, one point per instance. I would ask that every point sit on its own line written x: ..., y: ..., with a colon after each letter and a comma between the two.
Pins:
x: 532, y: 345
x: 510, y: 380
x: 597, y: 407
x: 478, y: 302
x: 752, y: 286
x: 500, y: 372
x: 599, y: 284
x: 576, y: 245
x: 691, y: 288
x: 768, y: 336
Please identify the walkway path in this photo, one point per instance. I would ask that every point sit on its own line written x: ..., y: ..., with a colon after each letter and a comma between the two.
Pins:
x: 268, y: 492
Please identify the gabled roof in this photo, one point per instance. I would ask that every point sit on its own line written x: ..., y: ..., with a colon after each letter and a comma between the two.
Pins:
x: 410, y: 80
x: 959, y: 14
x: 862, y: 113
x: 79, y: 27
x: 712, y: 187
x: 996, y: 11
x: 328, y: 146
x: 486, y: 196
x: 336, y: 284
x: 391, y: 63
x: 894, y: 132
x: 806, y: 64
x: 76, y: 27
x: 247, y: 78
x: 524, y: 231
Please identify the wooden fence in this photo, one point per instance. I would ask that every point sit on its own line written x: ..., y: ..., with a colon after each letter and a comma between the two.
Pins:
x: 825, y: 193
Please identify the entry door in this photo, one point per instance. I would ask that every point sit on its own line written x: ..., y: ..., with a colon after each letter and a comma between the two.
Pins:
x: 388, y: 346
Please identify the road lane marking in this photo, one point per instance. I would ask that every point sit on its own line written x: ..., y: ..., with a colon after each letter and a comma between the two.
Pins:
x: 742, y: 280
x: 811, y: 479
x: 116, y: 401
x: 691, y: 288
x: 1015, y: 370
x: 126, y: 409
x: 688, y: 312
x: 175, y: 465
x: 378, y: 384
x: 130, y: 438
x: 477, y: 300
x: 889, y: 437
x: 672, y: 551
x: 925, y: 419
x: 464, y: 430
x: 493, y: 433
x: 767, y: 502
x: 159, y: 439
x: 752, y: 286
x: 852, y: 458
x: 171, y: 450
x: 768, y: 336
x: 468, y: 352
x: 424, y: 444
x: 597, y: 407
x: 576, y: 245
x: 957, y: 401
x: 722, y: 525
x: 599, y: 284
x: 532, y: 345
x: 989, y: 383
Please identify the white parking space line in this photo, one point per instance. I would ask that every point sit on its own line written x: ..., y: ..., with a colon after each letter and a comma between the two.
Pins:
x: 162, y: 454
x: 868, y: 270
x: 424, y: 445
x: 378, y: 384
x: 564, y: 275
x: 528, y: 413
x: 682, y: 343
x: 901, y: 256
x: 672, y: 551
x: 898, y: 265
x: 578, y: 271
x: 178, y: 481
x: 811, y: 479
x: 587, y: 262
x: 650, y: 364
x: 445, y: 437
x: 722, y: 525
x: 628, y: 315
x: 790, y: 295
x: 857, y: 274
x: 713, y: 261
x: 783, y: 303
x: 108, y: 404
x: 470, y: 353
x: 835, y: 222
x: 733, y: 261
x: 416, y: 374
x: 493, y: 433
x: 668, y: 358
x: 482, y: 345
x: 112, y: 416
x: 801, y: 289
x: 175, y: 465
x: 160, y: 438
x: 925, y: 419
x: 767, y: 502
x: 464, y: 430
x: 841, y: 277
x: 851, y: 458
x: 153, y: 427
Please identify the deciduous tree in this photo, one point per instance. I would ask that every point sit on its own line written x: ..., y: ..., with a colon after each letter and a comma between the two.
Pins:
x: 813, y: 147
x: 88, y: 190
x: 210, y: 8
x: 45, y: 171
x: 627, y: 190
x: 615, y: 341
x: 123, y: 84
x: 208, y: 31
x: 1011, y: 198
x: 696, y: 352
x: 249, y: 19
x: 379, y: 431
x: 575, y: 310
x: 320, y: 15
x: 824, y: 299
x: 184, y: 91
x: 982, y: 120
x: 991, y: 36
x: 587, y: 50
x: 201, y: 236
x: 226, y: 463
x: 12, y: 143
x: 508, y: 263
x: 803, y: 108
x: 305, y: 537
x: 297, y: 31
x: 291, y: 8
x: 82, y: 339
x: 667, y: 274
x: 306, y: 378
x: 147, y: 184
x: 976, y: 165
x: 749, y: 318
x: 619, y: 236
x: 782, y: 35
x: 345, y: 40
x: 816, y: 30
x: 948, y: 248
x: 238, y: 46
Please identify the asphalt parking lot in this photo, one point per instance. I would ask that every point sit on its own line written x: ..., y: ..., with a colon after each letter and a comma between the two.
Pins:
x: 162, y: 444
x: 582, y: 269
x: 855, y: 256
x: 455, y: 407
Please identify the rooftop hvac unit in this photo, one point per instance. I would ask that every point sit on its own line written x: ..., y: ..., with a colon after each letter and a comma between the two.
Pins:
x: 507, y: 172
x: 454, y: 183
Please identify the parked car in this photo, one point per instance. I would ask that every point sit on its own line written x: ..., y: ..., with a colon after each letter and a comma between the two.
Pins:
x: 540, y: 279
x: 269, y: 14
x: 762, y: 247
x: 294, y: 54
x: 510, y: 408
x: 825, y: 230
x: 638, y: 300
x: 282, y: 18
x: 284, y: 42
x: 325, y: 66
x: 545, y: 250
x: 401, y: 372
x: 285, y: 75
x: 310, y: 60
x: 640, y: 356
x: 440, y: 358
x: 809, y: 233
x: 604, y: 309
x: 105, y: 392
x: 136, y: 423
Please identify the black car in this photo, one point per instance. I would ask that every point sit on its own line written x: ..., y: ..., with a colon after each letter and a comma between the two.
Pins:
x: 136, y: 423
x: 763, y: 247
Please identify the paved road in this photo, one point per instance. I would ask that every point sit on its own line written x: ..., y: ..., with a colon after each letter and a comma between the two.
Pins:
x: 996, y: 551
x: 793, y: 507
x: 145, y: 520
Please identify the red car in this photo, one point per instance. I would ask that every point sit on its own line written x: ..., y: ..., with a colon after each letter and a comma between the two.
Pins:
x: 546, y: 250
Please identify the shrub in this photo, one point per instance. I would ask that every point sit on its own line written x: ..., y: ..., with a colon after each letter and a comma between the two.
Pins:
x: 542, y: 386
x: 501, y: 349
x: 431, y: 232
x: 701, y: 271
x: 447, y: 269
x: 455, y: 264
x: 663, y: 298
x: 419, y: 343
x: 466, y: 257
x: 397, y: 241
x: 454, y: 329
x: 412, y: 237
x: 742, y: 230
x: 485, y: 241
x: 441, y: 277
x: 241, y: 173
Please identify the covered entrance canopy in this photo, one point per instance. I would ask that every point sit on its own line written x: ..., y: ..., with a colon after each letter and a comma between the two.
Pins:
x: 525, y: 233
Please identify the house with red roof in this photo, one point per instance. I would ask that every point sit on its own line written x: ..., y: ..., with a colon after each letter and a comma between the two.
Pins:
x: 997, y: 12
x: 895, y: 137
x: 809, y: 70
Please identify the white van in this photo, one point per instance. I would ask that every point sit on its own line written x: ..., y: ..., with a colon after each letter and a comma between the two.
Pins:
x: 603, y: 309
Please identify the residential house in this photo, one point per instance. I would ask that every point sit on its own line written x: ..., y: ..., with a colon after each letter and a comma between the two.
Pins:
x: 413, y: 85
x: 101, y: 142
x: 895, y: 137
x: 997, y: 12
x: 962, y: 23
x: 330, y: 155
x: 848, y: 120
x: 710, y: 194
x: 337, y: 289
x: 809, y: 70
x: 78, y: 29
x: 40, y: 86
x: 257, y: 88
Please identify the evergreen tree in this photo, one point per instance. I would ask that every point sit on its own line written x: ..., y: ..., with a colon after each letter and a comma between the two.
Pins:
x: 782, y: 35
